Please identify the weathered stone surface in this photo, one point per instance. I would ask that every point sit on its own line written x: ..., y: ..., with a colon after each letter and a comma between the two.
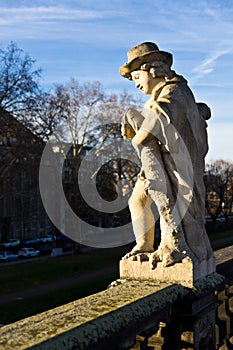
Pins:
x: 170, y: 138
x: 224, y: 255
x: 141, y: 270
x: 185, y: 272
x: 224, y: 262
x: 89, y: 321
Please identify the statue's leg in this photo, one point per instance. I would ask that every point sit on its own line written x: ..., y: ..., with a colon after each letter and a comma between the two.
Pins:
x: 197, y: 238
x: 172, y: 247
x: 143, y: 220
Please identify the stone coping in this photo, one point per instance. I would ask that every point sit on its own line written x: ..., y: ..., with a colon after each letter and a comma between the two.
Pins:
x: 224, y: 263
x: 223, y: 255
x: 85, y: 322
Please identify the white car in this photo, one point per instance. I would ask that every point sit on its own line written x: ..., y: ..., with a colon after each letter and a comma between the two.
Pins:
x: 11, y: 243
x: 28, y: 252
x: 8, y: 256
x: 221, y: 219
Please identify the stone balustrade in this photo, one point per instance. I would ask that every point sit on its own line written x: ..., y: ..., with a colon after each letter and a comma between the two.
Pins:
x: 224, y: 316
x: 138, y: 315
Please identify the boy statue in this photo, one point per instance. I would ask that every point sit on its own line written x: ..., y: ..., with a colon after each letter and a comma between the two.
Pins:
x: 170, y: 138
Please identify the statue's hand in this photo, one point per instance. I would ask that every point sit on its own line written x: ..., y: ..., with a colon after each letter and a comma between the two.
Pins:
x: 127, y: 131
x: 134, y: 117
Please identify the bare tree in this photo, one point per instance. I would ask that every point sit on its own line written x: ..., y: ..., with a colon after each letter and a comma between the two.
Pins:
x: 219, y: 189
x: 89, y: 118
x: 73, y: 107
x: 83, y: 112
x: 19, y: 80
x: 45, y: 116
x: 117, y: 177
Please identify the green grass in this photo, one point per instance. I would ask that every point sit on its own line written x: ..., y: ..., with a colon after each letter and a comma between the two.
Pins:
x: 221, y: 234
x: 217, y: 246
x: 18, y: 309
x: 27, y: 275
x: 31, y: 274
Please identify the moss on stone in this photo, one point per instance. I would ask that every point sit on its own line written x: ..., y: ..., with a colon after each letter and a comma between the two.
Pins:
x: 90, y: 320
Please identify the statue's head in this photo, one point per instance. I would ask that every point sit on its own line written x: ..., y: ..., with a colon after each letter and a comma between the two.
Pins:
x: 144, y: 56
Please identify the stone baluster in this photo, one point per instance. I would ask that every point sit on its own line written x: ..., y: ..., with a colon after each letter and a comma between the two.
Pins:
x: 229, y: 306
x: 152, y: 339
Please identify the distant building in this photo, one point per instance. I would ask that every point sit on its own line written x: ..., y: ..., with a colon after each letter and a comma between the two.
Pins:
x: 22, y: 214
x: 21, y: 210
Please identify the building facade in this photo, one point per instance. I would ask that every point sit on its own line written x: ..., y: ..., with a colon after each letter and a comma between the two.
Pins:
x: 21, y: 210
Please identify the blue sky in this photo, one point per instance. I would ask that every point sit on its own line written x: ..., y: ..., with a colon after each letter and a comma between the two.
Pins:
x: 89, y: 39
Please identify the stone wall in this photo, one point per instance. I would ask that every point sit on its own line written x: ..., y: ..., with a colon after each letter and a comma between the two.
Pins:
x: 136, y: 315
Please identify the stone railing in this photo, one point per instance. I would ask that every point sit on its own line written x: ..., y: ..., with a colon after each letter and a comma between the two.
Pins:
x: 224, y: 317
x: 136, y: 315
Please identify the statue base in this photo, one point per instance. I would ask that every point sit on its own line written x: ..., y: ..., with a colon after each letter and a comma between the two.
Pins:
x: 185, y: 272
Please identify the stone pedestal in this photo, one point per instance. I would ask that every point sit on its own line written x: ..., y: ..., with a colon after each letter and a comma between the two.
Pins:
x: 185, y: 272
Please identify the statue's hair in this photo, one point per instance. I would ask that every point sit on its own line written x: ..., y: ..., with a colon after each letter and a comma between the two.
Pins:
x: 158, y: 69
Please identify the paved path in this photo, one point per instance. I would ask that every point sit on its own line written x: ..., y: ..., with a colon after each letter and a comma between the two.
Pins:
x: 69, y: 281
x: 54, y: 285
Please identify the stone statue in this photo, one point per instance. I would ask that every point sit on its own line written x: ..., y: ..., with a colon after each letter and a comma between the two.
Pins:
x: 170, y: 138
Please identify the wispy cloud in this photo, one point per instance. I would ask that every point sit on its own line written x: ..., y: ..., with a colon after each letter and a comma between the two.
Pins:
x: 51, y: 22
x: 88, y: 39
x: 12, y: 15
x: 207, y: 66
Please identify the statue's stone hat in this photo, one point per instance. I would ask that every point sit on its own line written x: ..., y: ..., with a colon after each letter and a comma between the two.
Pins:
x: 143, y: 53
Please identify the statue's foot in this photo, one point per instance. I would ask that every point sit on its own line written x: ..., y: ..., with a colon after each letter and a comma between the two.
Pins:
x: 138, y: 249
x: 167, y: 257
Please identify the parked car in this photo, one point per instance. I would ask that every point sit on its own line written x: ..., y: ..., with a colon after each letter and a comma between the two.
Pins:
x: 46, y: 239
x: 220, y: 219
x: 208, y: 218
x: 31, y: 240
x: 8, y: 256
x: 28, y: 252
x: 11, y: 243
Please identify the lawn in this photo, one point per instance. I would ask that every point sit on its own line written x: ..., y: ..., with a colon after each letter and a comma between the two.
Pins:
x: 221, y: 234
x: 18, y: 309
x: 27, y: 275
x: 221, y: 239
x: 18, y: 277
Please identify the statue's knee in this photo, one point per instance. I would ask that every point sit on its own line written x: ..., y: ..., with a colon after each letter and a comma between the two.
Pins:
x: 136, y: 206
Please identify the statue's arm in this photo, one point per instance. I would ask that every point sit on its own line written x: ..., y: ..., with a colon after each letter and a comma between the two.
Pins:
x: 131, y: 122
x: 156, y: 120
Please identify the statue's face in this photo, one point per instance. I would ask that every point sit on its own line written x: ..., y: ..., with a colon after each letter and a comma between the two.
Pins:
x: 145, y: 81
